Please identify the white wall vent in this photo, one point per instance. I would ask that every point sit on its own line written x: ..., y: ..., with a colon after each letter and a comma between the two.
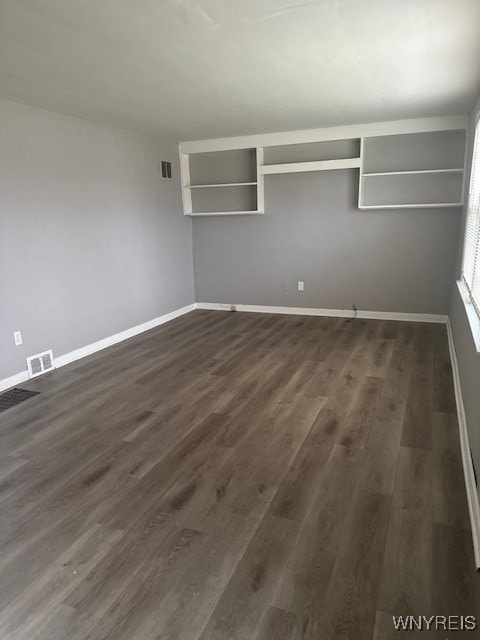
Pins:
x: 40, y: 363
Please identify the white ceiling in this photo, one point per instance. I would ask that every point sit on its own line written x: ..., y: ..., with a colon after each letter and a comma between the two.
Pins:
x: 206, y: 68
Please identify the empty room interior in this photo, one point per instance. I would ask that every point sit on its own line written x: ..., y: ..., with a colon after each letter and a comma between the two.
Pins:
x: 239, y: 319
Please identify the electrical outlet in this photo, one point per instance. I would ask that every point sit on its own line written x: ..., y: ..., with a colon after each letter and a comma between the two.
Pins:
x: 17, y: 336
x: 284, y: 286
x: 300, y: 285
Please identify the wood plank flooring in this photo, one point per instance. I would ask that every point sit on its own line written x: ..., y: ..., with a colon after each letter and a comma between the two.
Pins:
x: 238, y: 476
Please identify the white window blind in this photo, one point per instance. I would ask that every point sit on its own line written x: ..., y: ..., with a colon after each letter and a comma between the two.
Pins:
x: 471, y: 251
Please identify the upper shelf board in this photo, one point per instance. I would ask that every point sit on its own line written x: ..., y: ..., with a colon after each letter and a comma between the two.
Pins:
x: 418, y: 125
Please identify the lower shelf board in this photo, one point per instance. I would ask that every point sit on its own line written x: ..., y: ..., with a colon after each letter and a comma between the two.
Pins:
x: 225, y: 213
x: 439, y: 205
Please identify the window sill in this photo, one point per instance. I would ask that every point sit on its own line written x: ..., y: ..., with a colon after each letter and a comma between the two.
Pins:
x: 472, y: 315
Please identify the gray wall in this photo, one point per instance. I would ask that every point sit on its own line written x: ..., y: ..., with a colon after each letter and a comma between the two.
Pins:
x: 391, y: 260
x: 92, y: 241
x: 467, y: 356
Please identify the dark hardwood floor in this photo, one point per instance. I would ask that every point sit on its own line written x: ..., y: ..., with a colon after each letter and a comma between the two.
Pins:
x: 238, y: 476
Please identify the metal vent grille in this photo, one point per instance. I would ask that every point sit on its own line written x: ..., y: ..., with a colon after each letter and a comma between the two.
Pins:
x: 40, y: 363
x: 47, y: 361
x: 166, y: 169
x: 36, y: 366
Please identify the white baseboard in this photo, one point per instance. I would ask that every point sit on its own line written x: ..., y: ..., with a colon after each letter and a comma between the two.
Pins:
x: 470, y: 485
x: 336, y: 313
x: 82, y: 352
x: 12, y: 381
x: 71, y: 356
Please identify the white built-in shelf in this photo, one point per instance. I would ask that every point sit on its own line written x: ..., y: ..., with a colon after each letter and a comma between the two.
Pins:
x: 417, y: 164
x: 221, y: 184
x: 314, y: 165
x: 412, y: 172
x: 424, y: 170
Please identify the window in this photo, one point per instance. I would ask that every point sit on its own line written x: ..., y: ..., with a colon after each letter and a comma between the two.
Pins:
x: 471, y: 251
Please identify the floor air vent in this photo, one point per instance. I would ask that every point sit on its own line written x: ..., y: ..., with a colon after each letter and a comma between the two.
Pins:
x: 15, y: 396
x: 40, y: 363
